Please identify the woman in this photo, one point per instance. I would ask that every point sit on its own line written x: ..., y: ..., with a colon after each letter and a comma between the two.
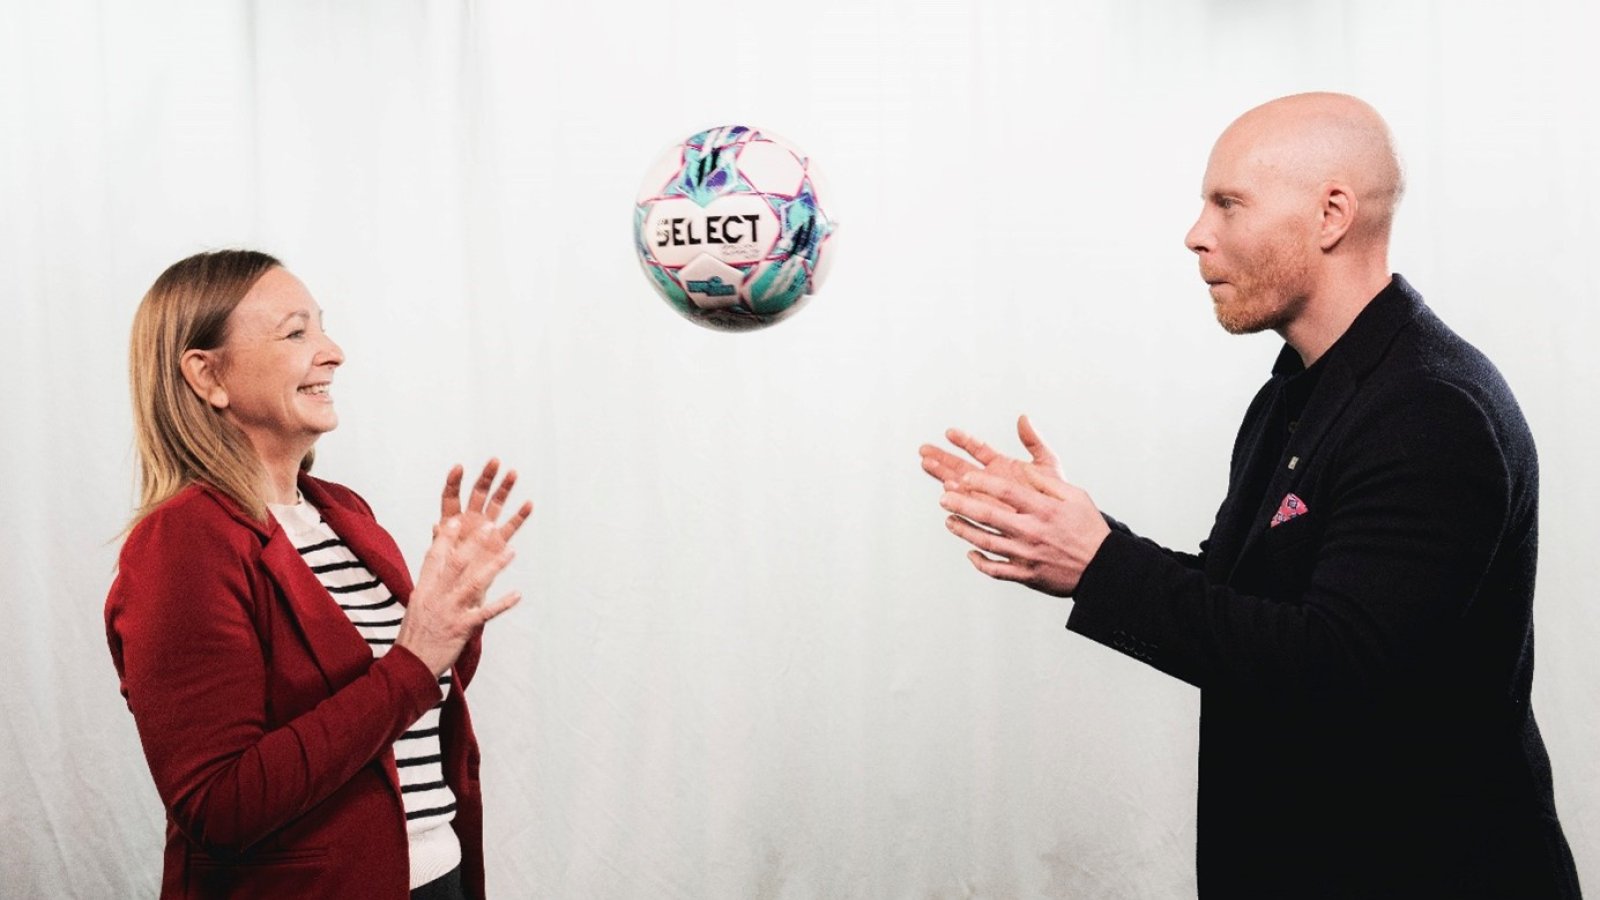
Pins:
x: 298, y: 698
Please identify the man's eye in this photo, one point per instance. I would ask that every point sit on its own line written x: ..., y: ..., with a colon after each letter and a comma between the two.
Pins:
x: 297, y: 334
x: 1225, y: 202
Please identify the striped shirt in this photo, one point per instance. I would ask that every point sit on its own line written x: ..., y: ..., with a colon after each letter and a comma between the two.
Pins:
x: 430, y: 805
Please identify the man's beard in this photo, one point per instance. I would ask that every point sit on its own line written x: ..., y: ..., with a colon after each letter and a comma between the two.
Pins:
x: 1269, y: 297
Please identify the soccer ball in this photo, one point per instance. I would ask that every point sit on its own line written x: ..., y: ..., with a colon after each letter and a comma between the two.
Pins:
x: 730, y: 228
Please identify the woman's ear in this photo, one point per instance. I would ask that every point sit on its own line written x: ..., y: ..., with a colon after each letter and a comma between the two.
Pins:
x: 201, y: 368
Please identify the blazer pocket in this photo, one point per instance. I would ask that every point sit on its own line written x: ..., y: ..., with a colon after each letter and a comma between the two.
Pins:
x: 1291, y: 553
x: 1292, y: 533
x: 270, y: 875
x: 289, y: 856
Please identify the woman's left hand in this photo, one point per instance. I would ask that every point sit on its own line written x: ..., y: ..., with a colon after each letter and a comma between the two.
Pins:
x: 485, y: 503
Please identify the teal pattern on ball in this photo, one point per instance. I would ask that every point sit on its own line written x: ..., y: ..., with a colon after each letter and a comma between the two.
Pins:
x: 785, y: 278
x: 671, y: 290
x: 778, y: 285
x: 710, y: 166
x: 804, y: 226
x: 639, y: 213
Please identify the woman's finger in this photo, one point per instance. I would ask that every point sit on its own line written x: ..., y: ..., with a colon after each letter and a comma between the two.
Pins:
x: 489, y: 611
x: 513, y: 524
x: 480, y: 489
x: 450, y: 501
x: 497, y: 502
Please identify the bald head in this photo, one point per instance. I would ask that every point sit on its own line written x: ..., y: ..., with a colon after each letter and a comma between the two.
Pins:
x: 1311, y: 140
x: 1293, y: 236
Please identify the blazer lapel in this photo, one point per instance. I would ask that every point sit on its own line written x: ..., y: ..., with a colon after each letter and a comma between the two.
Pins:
x: 378, y: 552
x: 1328, y: 400
x: 336, y: 647
x: 1348, y: 362
x: 1235, y: 519
x: 335, y: 644
x: 372, y: 545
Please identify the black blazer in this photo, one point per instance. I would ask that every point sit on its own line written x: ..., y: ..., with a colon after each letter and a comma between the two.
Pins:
x: 1365, y: 663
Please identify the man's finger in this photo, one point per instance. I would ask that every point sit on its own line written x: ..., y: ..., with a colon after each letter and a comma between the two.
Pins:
x: 990, y: 515
x: 1025, y: 499
x: 1045, y: 484
x: 1035, y: 445
x: 975, y: 448
x: 985, y: 540
x: 941, y: 464
x: 999, y: 569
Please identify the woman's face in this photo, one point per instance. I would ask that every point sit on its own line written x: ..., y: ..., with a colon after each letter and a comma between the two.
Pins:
x: 278, y: 367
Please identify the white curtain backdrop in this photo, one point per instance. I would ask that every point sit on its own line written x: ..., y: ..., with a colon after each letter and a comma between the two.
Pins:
x: 752, y: 663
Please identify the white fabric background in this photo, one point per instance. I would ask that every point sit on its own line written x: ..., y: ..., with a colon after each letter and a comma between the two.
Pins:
x: 752, y: 663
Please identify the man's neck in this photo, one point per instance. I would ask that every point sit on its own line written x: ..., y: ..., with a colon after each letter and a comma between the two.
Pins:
x: 1328, y: 314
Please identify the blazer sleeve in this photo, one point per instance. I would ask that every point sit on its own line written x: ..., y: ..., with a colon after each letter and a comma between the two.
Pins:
x: 1187, y: 560
x: 1414, y: 515
x: 194, y: 672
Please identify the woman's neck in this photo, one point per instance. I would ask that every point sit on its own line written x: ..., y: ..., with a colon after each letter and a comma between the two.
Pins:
x: 280, y: 472
x: 280, y: 485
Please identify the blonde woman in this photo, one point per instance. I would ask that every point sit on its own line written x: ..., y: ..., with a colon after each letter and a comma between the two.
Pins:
x: 299, y: 699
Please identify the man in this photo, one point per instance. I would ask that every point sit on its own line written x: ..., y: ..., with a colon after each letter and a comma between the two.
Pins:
x: 1360, y: 619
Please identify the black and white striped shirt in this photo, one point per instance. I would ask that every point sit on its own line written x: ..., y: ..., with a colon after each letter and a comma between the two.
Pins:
x: 430, y: 805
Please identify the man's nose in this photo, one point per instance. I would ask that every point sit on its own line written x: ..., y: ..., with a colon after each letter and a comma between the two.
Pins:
x: 1199, y: 237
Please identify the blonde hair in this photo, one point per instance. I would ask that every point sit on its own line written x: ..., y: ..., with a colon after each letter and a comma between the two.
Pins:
x: 180, y: 437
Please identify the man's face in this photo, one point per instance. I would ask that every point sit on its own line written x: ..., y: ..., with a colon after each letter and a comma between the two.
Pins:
x: 1256, y: 236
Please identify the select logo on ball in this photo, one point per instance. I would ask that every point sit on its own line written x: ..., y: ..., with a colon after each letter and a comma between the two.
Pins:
x: 682, y: 232
x: 737, y: 228
x: 730, y: 229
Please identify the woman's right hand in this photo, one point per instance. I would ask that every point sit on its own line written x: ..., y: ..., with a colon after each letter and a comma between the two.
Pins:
x: 448, y: 606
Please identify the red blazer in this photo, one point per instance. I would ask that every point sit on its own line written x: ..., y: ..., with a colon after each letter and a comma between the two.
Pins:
x: 267, y: 724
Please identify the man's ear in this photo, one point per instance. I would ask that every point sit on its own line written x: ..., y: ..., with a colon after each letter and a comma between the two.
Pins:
x: 201, y: 368
x: 1338, y: 213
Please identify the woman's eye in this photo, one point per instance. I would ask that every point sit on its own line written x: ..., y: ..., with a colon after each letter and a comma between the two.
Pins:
x: 297, y: 334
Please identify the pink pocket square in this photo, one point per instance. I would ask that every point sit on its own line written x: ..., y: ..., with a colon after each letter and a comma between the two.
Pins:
x: 1291, y: 507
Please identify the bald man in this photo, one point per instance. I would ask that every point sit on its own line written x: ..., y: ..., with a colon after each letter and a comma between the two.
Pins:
x: 1359, y: 621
